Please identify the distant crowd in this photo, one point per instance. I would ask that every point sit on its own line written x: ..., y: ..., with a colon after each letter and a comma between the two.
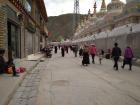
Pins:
x: 85, y: 51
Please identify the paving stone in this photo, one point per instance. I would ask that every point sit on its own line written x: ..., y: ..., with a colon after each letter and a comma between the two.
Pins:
x: 18, y: 102
x: 24, y: 83
x: 25, y: 95
x: 27, y: 92
x: 13, y: 102
x: 92, y: 85
x: 33, y: 93
x: 23, y: 102
x: 37, y: 80
x: 18, y: 95
x: 21, y: 89
x: 28, y: 89
x: 31, y: 101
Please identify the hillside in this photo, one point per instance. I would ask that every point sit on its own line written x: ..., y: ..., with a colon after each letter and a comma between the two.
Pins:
x: 60, y: 27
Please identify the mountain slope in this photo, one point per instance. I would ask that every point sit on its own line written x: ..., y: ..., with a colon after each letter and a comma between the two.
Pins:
x: 60, y: 27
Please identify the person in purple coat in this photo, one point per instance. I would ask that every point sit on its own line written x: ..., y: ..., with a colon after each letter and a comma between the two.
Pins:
x: 128, y: 55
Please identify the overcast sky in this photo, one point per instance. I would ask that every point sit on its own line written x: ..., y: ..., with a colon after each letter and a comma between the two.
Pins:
x: 57, y: 7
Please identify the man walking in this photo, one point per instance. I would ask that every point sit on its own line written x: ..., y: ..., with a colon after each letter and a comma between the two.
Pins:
x: 62, y: 51
x: 75, y: 50
x: 55, y: 49
x: 116, y: 53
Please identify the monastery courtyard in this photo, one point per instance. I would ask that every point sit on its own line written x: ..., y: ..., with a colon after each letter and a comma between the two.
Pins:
x: 64, y: 81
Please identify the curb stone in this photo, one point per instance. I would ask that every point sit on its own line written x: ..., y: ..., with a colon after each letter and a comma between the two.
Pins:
x: 19, y: 83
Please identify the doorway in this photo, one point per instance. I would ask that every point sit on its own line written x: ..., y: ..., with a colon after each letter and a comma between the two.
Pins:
x: 13, y: 41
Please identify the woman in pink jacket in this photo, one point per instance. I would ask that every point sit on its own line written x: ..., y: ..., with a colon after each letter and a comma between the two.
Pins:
x: 128, y: 55
x: 93, y: 51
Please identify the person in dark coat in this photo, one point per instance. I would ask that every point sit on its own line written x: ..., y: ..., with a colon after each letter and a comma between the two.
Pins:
x: 81, y: 51
x: 128, y: 56
x: 71, y: 48
x: 55, y: 49
x: 59, y: 47
x: 85, y: 60
x: 67, y: 49
x: 75, y: 50
x: 4, y: 65
x: 101, y: 55
x: 116, y: 53
x: 62, y: 51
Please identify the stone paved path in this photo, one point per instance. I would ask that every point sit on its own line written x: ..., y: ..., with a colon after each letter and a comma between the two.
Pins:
x: 27, y: 92
x: 63, y: 81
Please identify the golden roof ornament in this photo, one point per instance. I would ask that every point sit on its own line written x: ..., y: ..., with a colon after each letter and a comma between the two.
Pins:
x: 95, y: 6
x: 103, y: 6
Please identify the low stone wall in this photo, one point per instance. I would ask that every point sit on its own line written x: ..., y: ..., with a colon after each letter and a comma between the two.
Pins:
x: 133, y: 40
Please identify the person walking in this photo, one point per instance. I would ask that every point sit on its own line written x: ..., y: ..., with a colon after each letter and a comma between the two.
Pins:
x: 81, y: 51
x: 75, y: 50
x: 93, y: 52
x: 59, y: 46
x: 62, y: 51
x: 116, y: 53
x: 85, y: 60
x: 55, y: 49
x: 128, y: 55
x: 101, y: 55
x: 71, y: 48
x: 67, y: 49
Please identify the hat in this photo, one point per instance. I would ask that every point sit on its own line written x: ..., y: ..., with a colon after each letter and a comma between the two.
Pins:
x: 116, y: 44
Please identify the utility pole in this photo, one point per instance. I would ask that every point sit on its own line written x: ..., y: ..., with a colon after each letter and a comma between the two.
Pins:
x: 76, y: 15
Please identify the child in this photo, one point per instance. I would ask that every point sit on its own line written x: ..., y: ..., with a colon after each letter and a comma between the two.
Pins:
x: 101, y: 55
